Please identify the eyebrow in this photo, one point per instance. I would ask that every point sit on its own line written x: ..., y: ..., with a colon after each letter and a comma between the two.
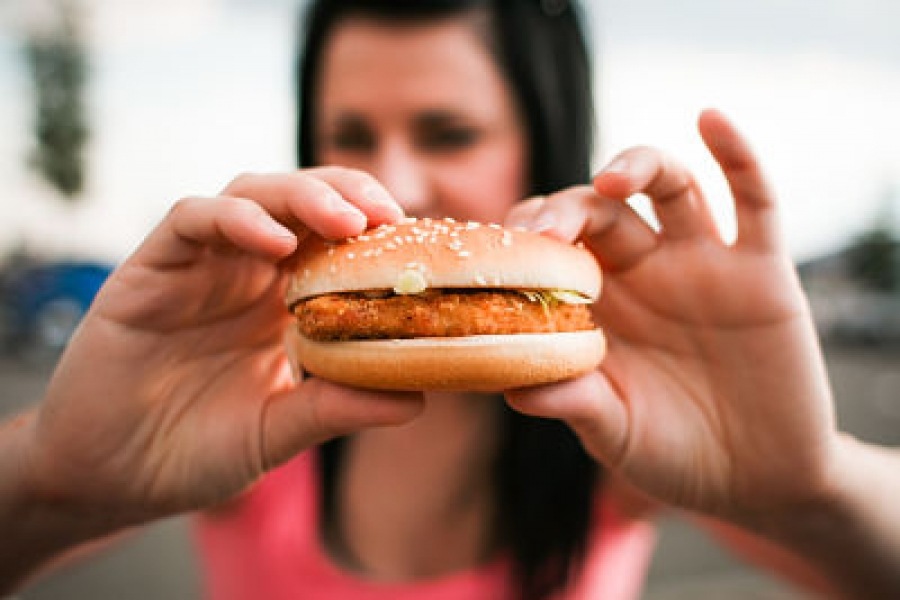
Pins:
x: 428, y: 119
x: 437, y: 118
x: 349, y: 120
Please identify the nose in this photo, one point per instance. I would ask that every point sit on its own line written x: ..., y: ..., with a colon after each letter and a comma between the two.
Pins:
x: 404, y: 174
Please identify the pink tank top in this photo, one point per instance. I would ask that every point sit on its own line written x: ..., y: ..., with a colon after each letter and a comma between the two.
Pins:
x: 266, y: 545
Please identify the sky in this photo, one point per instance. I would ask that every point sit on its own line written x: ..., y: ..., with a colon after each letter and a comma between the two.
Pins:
x: 186, y: 94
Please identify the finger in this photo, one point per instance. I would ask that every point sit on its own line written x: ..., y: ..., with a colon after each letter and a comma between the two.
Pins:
x: 363, y: 191
x: 220, y: 222
x: 610, y: 228
x: 301, y: 200
x: 590, y: 405
x: 754, y: 200
x: 522, y: 213
x: 317, y: 410
x: 677, y: 199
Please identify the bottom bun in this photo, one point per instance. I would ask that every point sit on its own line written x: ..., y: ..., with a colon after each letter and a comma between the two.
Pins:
x: 480, y: 363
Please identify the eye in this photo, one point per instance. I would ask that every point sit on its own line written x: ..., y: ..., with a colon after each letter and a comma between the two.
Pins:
x: 351, y: 140
x: 449, y: 138
x: 349, y: 133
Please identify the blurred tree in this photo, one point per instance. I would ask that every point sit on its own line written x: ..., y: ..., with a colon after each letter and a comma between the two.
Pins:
x: 57, y: 62
x: 874, y: 256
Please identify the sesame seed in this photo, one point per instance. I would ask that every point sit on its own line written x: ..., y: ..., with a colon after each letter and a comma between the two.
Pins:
x: 463, y: 253
x: 480, y: 280
x: 351, y: 256
x: 494, y: 226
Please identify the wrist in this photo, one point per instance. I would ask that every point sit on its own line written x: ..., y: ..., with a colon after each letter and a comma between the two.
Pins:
x: 35, y: 528
x: 824, y: 505
x: 848, y: 528
x: 16, y: 490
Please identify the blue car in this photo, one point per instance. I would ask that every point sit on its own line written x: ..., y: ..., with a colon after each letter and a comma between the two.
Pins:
x: 42, y: 303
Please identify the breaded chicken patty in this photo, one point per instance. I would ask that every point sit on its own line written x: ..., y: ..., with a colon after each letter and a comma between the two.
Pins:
x: 434, y: 313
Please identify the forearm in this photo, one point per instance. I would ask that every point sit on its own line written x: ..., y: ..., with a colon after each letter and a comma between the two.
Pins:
x: 33, y: 531
x: 853, y: 537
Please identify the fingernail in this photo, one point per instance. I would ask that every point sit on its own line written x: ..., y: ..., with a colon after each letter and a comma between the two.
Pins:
x: 273, y: 227
x: 336, y: 204
x: 543, y: 221
x: 618, y: 165
x: 380, y: 197
x: 518, y: 218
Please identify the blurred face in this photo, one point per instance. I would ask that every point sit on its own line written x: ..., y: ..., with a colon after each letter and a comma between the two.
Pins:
x: 425, y: 109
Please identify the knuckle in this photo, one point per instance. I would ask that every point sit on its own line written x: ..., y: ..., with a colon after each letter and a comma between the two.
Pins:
x: 228, y: 204
x: 350, y: 176
x: 242, y: 181
x: 644, y: 149
x: 320, y: 426
x: 183, y: 205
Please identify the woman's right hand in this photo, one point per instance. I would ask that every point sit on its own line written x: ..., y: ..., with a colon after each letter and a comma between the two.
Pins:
x: 175, y: 393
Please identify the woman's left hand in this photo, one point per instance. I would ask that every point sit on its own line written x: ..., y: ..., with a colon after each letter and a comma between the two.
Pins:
x: 713, y: 395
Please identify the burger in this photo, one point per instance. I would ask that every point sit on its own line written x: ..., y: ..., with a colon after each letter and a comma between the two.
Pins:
x: 436, y: 304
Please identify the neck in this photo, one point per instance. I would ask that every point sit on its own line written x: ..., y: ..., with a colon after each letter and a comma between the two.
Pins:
x: 417, y: 501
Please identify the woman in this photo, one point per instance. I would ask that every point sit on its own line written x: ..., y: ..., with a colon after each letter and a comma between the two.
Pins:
x: 713, y: 397
x: 396, y: 101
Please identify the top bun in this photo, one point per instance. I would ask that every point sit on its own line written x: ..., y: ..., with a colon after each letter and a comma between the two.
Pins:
x: 442, y: 253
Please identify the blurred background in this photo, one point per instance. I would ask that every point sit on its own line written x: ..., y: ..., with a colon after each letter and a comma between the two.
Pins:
x: 111, y: 110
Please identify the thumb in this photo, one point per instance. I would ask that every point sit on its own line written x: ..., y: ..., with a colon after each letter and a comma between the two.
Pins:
x: 591, y: 407
x: 317, y: 410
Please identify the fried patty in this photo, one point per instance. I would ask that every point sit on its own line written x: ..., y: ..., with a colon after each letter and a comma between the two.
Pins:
x: 434, y: 313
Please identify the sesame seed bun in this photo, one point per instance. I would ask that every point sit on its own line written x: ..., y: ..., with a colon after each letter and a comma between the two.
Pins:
x: 417, y: 255
x: 447, y: 254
